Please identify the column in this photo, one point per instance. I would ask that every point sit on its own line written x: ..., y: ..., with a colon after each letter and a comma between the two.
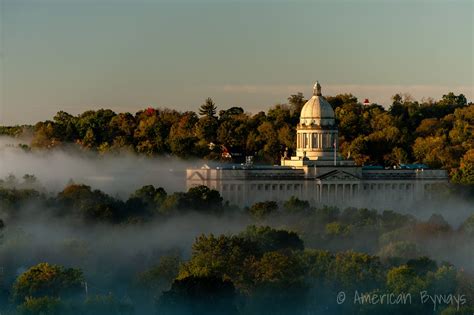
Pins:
x: 320, y: 192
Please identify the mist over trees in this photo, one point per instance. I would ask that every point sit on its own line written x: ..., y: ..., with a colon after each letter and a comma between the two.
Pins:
x: 286, y: 258
x: 438, y: 133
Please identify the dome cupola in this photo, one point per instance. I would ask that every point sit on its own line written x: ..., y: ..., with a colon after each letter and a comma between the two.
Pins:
x: 317, y: 111
x: 316, y: 134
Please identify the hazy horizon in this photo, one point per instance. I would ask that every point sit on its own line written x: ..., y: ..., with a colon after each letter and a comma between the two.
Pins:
x: 79, y: 55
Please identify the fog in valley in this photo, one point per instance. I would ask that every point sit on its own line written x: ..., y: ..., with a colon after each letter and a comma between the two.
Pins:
x: 113, y: 256
x: 115, y: 174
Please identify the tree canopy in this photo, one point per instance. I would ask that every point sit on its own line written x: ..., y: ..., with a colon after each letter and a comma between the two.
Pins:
x: 438, y: 133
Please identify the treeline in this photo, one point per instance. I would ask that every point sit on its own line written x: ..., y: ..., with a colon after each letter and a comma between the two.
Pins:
x: 258, y: 271
x: 438, y: 133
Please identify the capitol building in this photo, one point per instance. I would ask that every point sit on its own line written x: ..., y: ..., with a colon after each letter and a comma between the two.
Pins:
x: 318, y: 174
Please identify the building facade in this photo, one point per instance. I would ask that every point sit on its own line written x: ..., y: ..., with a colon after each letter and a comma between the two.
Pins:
x: 318, y: 174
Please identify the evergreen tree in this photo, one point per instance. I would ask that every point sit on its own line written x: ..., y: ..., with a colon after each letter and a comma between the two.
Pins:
x: 208, y: 109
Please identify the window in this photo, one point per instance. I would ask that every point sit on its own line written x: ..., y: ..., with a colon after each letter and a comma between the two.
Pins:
x: 224, y: 187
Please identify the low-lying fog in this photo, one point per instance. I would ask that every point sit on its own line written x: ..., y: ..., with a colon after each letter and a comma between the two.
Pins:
x: 103, y: 251
x: 121, y: 174
x: 117, y: 175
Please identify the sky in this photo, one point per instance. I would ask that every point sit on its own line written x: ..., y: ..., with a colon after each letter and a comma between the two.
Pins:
x: 76, y: 55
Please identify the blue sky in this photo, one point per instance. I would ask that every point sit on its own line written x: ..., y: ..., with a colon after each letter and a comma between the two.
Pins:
x: 76, y: 55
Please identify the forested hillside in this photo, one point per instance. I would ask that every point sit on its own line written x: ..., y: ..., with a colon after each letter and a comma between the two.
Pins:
x: 439, y: 133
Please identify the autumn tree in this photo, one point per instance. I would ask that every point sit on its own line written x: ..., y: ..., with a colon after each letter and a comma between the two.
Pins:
x: 45, y: 280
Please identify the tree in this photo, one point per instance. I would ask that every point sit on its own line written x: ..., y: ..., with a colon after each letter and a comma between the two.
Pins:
x: 268, y: 239
x: 146, y: 201
x: 182, y: 139
x: 42, y: 306
x: 295, y: 205
x: 404, y: 279
x: 430, y: 150
x: 296, y: 102
x: 222, y: 256
x: 204, y: 199
x: 233, y: 130
x: 392, y: 220
x: 150, y: 133
x: 159, y: 278
x: 271, y: 146
x: 429, y: 127
x: 277, y: 268
x: 206, y: 129
x: 199, y: 295
x: 336, y: 229
x: 228, y: 113
x: 44, y: 136
x: 442, y: 280
x: 468, y: 226
x: 465, y: 173
x: 422, y: 265
x: 351, y: 270
x: 396, y: 157
x: 326, y: 215
x: 261, y: 210
x: 65, y: 126
x: 279, y: 286
x: 89, y: 139
x: 208, y: 109
x: 349, y: 120
x: 45, y: 280
x: 122, y: 128
x: 175, y: 202
x: 452, y: 99
x: 90, y: 205
x: 341, y: 99
x: 401, y: 249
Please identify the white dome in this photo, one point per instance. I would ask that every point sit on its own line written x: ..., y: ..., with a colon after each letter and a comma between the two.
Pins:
x: 317, y: 110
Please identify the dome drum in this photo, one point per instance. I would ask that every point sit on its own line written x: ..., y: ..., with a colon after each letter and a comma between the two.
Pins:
x: 317, y: 132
